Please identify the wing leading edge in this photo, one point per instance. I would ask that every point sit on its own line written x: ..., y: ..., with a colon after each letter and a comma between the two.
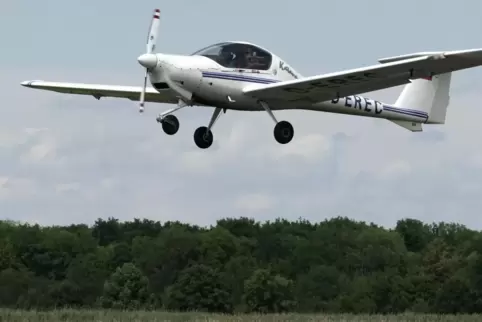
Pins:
x: 98, y: 91
x: 393, y: 72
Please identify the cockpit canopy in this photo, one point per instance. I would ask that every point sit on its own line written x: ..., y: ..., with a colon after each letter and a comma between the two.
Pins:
x: 237, y: 55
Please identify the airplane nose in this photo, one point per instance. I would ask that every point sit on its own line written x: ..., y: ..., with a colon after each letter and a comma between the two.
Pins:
x: 148, y: 60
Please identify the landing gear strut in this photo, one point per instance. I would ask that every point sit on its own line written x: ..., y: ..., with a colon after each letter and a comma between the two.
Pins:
x: 203, y: 136
x: 283, y: 130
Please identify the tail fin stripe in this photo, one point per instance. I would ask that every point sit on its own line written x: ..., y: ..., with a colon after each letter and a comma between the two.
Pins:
x: 405, y: 109
x: 406, y: 112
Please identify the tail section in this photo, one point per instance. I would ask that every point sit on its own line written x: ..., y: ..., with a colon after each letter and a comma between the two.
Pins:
x: 427, y: 95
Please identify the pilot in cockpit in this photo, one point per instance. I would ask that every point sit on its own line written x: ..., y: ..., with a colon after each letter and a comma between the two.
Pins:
x: 246, y: 58
x: 242, y: 57
x: 227, y: 58
x: 252, y: 60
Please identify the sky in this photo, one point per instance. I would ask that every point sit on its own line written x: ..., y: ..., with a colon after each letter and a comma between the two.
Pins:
x: 72, y: 159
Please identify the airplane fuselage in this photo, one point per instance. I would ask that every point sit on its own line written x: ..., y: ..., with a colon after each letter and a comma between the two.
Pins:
x: 217, y: 86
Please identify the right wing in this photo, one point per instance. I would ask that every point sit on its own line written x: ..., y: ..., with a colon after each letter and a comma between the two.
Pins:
x: 98, y: 91
x: 393, y: 71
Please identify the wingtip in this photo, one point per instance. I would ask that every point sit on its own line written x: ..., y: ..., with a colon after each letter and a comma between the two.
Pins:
x: 30, y: 83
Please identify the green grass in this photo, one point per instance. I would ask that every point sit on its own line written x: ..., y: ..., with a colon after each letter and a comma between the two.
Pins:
x: 116, y: 316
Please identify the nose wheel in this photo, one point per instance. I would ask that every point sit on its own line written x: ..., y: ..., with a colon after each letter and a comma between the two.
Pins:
x: 170, y: 124
x: 168, y: 121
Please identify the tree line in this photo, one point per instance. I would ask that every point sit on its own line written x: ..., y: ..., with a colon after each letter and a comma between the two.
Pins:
x: 241, y: 265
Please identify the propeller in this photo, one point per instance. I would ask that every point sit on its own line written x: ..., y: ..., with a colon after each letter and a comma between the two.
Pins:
x: 149, y: 59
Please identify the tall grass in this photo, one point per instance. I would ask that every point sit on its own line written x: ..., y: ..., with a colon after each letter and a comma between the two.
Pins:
x: 140, y: 316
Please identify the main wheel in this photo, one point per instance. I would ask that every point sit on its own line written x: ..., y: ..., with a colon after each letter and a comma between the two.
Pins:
x: 283, y: 132
x: 170, y: 124
x: 203, y: 137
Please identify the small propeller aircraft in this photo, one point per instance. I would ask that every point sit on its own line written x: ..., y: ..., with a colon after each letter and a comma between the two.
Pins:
x: 236, y: 75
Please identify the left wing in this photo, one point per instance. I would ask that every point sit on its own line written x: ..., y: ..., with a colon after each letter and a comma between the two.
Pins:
x: 393, y: 72
x: 98, y: 91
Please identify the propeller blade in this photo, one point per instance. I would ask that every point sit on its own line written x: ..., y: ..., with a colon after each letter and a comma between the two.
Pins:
x: 143, y: 94
x: 153, y: 32
x: 149, y: 60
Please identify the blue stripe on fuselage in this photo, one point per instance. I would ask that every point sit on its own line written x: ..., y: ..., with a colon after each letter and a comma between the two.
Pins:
x: 238, y: 77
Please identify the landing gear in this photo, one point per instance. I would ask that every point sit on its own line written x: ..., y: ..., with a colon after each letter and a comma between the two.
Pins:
x: 203, y: 136
x: 283, y: 130
x: 170, y: 124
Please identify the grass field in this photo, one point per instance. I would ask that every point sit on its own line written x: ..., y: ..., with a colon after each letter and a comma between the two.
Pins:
x: 113, y: 316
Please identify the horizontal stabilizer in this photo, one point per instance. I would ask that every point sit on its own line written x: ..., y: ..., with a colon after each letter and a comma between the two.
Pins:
x: 412, y: 126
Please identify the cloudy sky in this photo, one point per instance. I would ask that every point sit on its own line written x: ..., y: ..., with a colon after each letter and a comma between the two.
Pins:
x: 71, y: 159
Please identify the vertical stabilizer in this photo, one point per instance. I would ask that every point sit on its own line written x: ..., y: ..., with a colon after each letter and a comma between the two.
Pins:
x: 428, y: 95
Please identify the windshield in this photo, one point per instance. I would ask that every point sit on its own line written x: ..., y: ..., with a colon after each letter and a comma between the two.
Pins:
x: 237, y: 55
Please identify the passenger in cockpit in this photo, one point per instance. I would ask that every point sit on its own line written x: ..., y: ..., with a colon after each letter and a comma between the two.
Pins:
x: 253, y: 61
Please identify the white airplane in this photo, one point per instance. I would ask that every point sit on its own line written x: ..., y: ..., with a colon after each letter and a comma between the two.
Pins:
x: 241, y: 76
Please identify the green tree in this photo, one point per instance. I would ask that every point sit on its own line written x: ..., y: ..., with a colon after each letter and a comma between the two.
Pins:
x: 164, y: 257
x: 88, y: 273
x: 7, y: 254
x: 127, y: 288
x: 239, y: 264
x: 318, y: 289
x: 199, y: 288
x: 269, y: 293
x: 415, y: 234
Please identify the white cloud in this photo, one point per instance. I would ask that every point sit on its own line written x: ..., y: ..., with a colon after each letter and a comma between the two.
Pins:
x: 396, y: 169
x: 40, y: 151
x: 34, y: 131
x: 197, y: 162
x: 311, y: 147
x: 255, y: 202
x: 42, y: 148
x: 476, y: 160
x: 16, y: 188
x: 67, y: 187
x: 3, y: 182
x: 108, y: 183
x: 10, y: 139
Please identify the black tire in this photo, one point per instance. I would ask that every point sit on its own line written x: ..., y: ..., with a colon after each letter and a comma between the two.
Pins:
x: 283, y: 132
x: 203, y: 137
x: 170, y: 124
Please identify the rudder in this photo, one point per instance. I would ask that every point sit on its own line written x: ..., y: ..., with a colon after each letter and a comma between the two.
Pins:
x: 428, y: 95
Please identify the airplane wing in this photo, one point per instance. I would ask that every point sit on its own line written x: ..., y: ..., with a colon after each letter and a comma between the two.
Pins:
x: 391, y: 72
x: 98, y: 91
